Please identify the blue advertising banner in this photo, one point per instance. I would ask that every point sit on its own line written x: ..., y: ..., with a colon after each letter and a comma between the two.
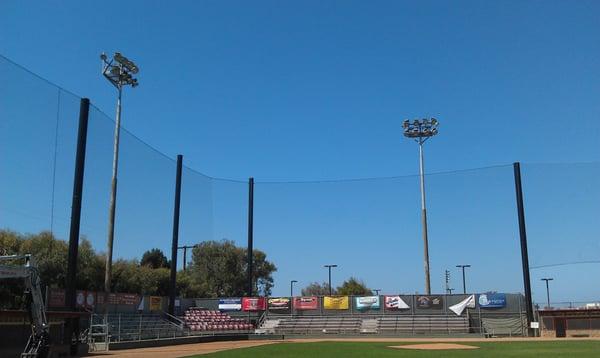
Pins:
x: 492, y: 300
x: 367, y: 302
x: 230, y: 304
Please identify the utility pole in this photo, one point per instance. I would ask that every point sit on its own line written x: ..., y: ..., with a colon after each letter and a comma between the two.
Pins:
x: 447, y: 279
x: 185, y: 248
x: 329, y: 267
x: 463, y: 275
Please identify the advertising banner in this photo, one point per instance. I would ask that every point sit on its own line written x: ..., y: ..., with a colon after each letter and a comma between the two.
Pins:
x: 492, y: 300
x: 113, y: 299
x: 130, y: 299
x: 85, y: 299
x: 395, y: 303
x: 367, y: 302
x: 155, y: 303
x: 435, y: 302
x: 335, y: 302
x: 280, y: 305
x: 230, y: 304
x: 56, y: 297
x: 468, y: 302
x: 253, y: 304
x: 306, y: 303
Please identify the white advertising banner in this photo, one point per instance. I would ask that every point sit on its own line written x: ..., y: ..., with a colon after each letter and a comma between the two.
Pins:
x: 468, y: 302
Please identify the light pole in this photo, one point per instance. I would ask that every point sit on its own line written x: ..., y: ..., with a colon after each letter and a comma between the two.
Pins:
x: 292, y: 282
x: 420, y: 130
x: 463, y: 273
x: 119, y: 72
x: 548, y: 289
x: 377, y: 290
x: 329, y: 267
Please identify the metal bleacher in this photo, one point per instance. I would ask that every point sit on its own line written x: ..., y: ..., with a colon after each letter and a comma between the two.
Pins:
x: 318, y: 324
x: 420, y: 324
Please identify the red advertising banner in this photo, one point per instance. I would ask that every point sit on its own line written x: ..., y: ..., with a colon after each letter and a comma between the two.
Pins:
x: 254, y: 304
x: 128, y: 299
x: 306, y: 303
x: 85, y: 299
x: 113, y: 299
x: 56, y: 297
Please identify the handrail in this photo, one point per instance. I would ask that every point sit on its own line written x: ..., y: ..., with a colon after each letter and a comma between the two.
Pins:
x: 180, y: 323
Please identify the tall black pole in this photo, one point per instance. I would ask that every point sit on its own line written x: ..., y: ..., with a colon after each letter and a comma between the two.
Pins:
x: 184, y: 257
x: 548, y: 293
x: 329, y: 267
x: 250, y: 234
x: 84, y: 110
x: 523, y: 236
x: 464, y: 281
x: 173, y: 283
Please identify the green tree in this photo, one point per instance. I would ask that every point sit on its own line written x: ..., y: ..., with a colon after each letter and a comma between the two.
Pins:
x: 353, y: 287
x: 154, y: 258
x: 219, y: 269
x: 317, y: 289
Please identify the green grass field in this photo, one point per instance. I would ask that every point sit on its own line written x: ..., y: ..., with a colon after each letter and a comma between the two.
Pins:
x: 380, y: 349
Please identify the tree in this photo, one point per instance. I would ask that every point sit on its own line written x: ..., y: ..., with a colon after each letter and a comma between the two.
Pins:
x: 218, y: 269
x: 316, y: 289
x: 353, y: 287
x: 154, y: 259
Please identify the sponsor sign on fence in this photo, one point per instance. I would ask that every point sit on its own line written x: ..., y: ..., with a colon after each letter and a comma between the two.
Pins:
x: 492, y: 300
x: 230, y: 304
x: 280, y: 304
x: 306, y: 303
x: 395, y: 303
x: 436, y: 302
x: 335, y: 302
x: 253, y: 304
x: 56, y: 297
x: 128, y: 299
x: 367, y: 302
x: 155, y: 303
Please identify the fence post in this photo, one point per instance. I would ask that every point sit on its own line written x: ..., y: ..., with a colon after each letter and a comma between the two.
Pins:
x: 119, y: 329
x: 524, y: 253
x: 140, y: 329
x: 175, y: 244
x: 250, y: 235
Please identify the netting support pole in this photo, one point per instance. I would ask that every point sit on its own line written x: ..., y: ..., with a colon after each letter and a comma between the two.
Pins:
x: 524, y: 254
x: 175, y: 244
x: 84, y: 110
x: 72, y: 327
x: 250, y: 235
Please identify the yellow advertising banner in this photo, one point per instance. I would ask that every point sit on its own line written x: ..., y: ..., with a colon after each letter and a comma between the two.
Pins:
x: 155, y: 303
x: 336, y: 302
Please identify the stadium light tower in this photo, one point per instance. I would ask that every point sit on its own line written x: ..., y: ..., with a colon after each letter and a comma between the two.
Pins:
x: 119, y: 71
x: 421, y: 130
x: 548, y: 289
x: 463, y: 273
x: 329, y: 267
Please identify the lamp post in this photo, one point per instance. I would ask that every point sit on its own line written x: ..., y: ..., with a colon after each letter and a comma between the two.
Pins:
x: 547, y: 289
x: 463, y: 273
x: 292, y: 282
x: 119, y: 71
x: 329, y: 268
x: 421, y: 130
x: 377, y: 290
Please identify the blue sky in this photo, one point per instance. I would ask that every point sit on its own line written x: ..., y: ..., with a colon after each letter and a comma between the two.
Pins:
x: 313, y: 90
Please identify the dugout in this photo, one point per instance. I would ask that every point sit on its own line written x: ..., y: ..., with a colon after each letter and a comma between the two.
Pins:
x: 570, y: 322
x: 15, y: 330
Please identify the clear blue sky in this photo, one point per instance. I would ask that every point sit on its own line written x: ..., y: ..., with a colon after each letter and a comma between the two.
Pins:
x: 318, y: 90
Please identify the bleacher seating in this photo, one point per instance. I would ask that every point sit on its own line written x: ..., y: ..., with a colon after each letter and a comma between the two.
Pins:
x: 198, y: 319
x: 319, y: 324
x: 423, y: 324
x: 127, y: 327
